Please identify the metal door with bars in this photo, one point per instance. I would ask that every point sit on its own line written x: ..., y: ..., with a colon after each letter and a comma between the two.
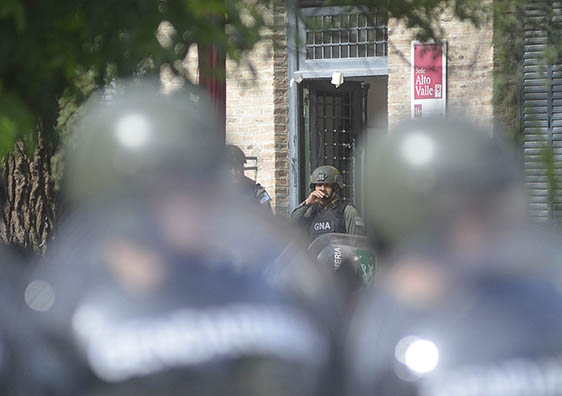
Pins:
x: 332, y: 122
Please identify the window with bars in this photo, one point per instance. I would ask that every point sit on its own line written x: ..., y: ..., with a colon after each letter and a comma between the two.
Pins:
x: 355, y: 35
x: 351, y: 40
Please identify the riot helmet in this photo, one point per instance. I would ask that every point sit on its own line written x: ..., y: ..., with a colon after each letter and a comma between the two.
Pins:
x: 138, y: 137
x: 236, y: 159
x: 428, y: 173
x: 236, y: 156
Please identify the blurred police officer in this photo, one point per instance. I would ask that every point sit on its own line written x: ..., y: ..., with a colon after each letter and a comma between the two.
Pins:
x: 248, y: 187
x: 451, y: 328
x: 139, y: 310
x: 459, y: 309
x: 19, y: 345
x: 324, y: 211
x: 159, y: 282
x: 444, y: 180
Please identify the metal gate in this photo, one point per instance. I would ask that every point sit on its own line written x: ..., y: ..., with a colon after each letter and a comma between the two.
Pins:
x: 333, y: 120
x: 541, y: 111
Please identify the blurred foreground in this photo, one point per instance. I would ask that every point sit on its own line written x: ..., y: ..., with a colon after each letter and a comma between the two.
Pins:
x: 165, y: 279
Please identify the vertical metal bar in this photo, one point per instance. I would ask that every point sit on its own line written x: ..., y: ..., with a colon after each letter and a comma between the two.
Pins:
x: 294, y: 148
x: 351, y: 169
x: 313, y: 95
x: 340, y: 44
x: 357, y: 125
x: 304, y: 138
x: 339, y: 143
x: 549, y: 104
x: 549, y: 137
x: 337, y: 129
x: 364, y: 120
x: 324, y: 157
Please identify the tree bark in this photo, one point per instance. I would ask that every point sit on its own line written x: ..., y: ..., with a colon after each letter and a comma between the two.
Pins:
x: 28, y: 213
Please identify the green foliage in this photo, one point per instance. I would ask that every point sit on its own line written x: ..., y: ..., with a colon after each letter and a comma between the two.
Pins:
x: 56, y: 48
x: 64, y: 48
x: 508, y: 46
x: 425, y: 16
x: 511, y: 19
x: 15, y: 120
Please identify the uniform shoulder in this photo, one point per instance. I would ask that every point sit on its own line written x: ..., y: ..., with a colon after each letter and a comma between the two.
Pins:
x: 350, y: 211
x: 349, y: 207
x: 353, y: 220
x: 247, y: 180
x: 304, y: 210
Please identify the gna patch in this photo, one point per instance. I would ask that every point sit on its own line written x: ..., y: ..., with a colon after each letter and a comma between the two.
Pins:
x: 327, y: 226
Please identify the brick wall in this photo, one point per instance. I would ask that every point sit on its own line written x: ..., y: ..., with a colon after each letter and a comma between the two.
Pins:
x: 257, y: 96
x: 469, y: 70
x: 257, y: 109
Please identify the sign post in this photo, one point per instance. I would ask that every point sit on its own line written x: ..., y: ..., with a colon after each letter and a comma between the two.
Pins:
x: 428, y: 79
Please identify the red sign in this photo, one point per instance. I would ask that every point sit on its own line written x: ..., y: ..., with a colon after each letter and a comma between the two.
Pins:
x: 428, y: 71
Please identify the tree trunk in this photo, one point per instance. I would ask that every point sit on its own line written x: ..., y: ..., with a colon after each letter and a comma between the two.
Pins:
x: 28, y: 207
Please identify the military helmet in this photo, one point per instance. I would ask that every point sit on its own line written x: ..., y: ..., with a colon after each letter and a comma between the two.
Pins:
x: 326, y: 174
x: 427, y: 172
x: 235, y: 155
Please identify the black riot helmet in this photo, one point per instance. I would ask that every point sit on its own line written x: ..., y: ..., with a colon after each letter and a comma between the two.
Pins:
x: 235, y: 155
x: 472, y: 328
x: 428, y: 173
x: 166, y: 296
x: 137, y: 137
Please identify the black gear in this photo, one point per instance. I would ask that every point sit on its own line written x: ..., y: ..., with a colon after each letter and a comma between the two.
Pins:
x: 436, y: 326
x: 142, y: 139
x: 427, y: 173
x: 206, y: 310
x: 235, y: 155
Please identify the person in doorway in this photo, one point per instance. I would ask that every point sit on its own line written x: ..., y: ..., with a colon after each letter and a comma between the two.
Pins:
x: 324, y: 211
x: 236, y: 160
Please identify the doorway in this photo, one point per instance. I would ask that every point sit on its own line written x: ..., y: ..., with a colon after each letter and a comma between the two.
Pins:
x: 332, y: 125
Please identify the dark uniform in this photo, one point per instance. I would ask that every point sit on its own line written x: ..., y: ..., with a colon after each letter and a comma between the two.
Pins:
x: 168, y: 286
x: 338, y: 216
x: 258, y: 191
x: 248, y: 187
x: 461, y: 306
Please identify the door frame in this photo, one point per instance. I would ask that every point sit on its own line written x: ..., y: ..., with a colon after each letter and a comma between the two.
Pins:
x: 297, y: 73
x: 312, y: 142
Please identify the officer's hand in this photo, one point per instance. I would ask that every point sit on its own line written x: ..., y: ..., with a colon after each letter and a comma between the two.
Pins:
x: 314, y: 197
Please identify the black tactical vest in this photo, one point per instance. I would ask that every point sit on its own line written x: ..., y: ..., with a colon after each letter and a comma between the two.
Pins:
x: 328, y: 220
